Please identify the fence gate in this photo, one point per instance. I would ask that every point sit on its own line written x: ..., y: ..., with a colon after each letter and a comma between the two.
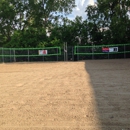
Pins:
x: 65, y: 52
x: 69, y: 53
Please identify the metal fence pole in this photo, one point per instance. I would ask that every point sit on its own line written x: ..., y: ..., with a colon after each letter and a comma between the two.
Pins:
x: 57, y: 53
x: 43, y: 58
x: 108, y: 55
x: 79, y: 40
x: 92, y: 52
x: 72, y: 54
x: 28, y: 55
x: 124, y: 52
x: 10, y: 54
x: 14, y: 56
x: 77, y: 53
x: 66, y: 53
x: 3, y: 54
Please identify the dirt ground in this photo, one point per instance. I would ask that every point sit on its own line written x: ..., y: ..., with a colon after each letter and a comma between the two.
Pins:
x: 85, y: 95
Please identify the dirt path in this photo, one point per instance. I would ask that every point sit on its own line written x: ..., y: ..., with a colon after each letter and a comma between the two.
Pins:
x: 110, y: 80
x: 65, y: 96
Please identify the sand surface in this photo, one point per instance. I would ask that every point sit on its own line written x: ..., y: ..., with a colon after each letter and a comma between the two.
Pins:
x: 85, y: 95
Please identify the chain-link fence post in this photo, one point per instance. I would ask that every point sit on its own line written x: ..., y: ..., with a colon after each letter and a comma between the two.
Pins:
x: 108, y: 54
x: 72, y: 54
x: 57, y: 54
x: 92, y: 52
x: 3, y: 54
x: 77, y: 53
x: 65, y: 52
x: 14, y: 56
x: 10, y: 54
x: 28, y: 55
x: 124, y: 52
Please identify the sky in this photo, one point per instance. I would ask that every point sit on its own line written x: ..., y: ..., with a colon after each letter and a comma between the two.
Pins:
x: 80, y: 9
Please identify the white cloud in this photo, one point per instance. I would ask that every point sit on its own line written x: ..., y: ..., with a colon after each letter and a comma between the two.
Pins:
x: 82, y: 3
x: 80, y: 9
x: 91, y: 2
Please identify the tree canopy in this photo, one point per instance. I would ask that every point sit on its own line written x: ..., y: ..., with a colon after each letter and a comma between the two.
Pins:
x: 26, y: 23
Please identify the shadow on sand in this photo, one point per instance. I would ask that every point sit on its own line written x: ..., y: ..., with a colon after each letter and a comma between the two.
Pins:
x: 111, y: 84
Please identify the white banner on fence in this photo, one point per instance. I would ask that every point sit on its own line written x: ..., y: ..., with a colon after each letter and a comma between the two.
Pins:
x: 113, y: 49
x: 110, y: 49
x: 43, y: 52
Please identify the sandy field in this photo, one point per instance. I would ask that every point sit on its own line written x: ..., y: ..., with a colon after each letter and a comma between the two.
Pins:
x: 85, y: 95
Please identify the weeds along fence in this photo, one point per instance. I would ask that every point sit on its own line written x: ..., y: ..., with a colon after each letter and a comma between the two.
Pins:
x: 73, y: 53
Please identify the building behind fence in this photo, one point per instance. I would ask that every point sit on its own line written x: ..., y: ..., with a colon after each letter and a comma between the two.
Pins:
x: 73, y: 53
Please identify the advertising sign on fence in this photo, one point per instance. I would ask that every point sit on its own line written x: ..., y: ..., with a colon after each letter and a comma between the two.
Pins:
x: 43, y: 52
x: 106, y: 49
x: 113, y: 49
x: 110, y: 49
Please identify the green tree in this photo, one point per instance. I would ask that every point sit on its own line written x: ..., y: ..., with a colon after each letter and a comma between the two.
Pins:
x: 116, y: 16
x: 24, y: 14
x: 95, y: 24
x: 7, y: 15
x: 40, y: 13
x: 31, y: 37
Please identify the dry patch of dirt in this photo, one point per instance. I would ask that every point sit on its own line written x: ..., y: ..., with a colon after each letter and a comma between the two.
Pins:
x: 110, y: 80
x: 65, y: 96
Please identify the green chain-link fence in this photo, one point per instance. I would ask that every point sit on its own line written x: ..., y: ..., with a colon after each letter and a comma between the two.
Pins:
x: 73, y: 53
